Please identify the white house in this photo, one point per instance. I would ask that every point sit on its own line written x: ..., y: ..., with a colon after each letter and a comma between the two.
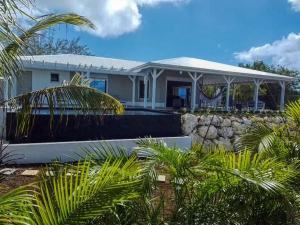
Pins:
x: 155, y: 84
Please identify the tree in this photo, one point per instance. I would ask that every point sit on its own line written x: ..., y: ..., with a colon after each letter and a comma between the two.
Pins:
x: 269, y: 92
x: 43, y: 45
x: 14, y: 41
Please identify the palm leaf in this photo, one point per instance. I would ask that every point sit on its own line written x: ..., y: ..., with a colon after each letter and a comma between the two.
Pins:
x: 257, y: 138
x: 293, y: 112
x: 88, y: 193
x: 16, y: 45
x: 13, y: 206
x: 79, y: 98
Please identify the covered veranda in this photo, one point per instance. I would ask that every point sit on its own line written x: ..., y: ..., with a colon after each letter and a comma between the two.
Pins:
x: 210, y: 73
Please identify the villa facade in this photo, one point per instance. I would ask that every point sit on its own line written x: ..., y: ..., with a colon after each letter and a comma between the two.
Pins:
x: 159, y: 84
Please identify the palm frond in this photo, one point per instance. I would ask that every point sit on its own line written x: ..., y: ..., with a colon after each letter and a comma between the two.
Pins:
x: 266, y: 173
x: 16, y: 45
x: 293, y: 112
x: 87, y: 193
x: 13, y: 206
x: 100, y: 152
x: 175, y: 159
x: 257, y: 138
x: 59, y: 100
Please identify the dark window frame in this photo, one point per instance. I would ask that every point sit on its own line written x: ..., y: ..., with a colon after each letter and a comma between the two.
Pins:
x: 54, y: 77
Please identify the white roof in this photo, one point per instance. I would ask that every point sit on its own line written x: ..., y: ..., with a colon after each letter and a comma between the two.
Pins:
x: 116, y: 66
x: 83, y: 60
x: 209, y: 67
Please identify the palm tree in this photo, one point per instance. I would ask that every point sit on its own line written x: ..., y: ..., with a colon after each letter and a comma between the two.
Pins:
x: 74, y: 194
x: 220, y: 187
x: 281, y: 141
x: 13, y: 39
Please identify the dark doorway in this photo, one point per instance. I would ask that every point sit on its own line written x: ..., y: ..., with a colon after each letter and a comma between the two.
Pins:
x: 179, y: 94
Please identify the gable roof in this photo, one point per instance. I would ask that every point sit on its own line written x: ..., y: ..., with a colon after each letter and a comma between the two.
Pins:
x: 204, y: 66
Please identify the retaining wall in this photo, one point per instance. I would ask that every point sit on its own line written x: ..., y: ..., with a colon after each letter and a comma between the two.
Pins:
x: 221, y: 129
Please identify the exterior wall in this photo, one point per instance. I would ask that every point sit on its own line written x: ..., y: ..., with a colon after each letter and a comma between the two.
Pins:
x: 42, y: 78
x: 70, y: 151
x: 119, y: 86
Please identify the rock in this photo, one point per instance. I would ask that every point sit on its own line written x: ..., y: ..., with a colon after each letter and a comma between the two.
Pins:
x: 189, y: 122
x: 212, y: 132
x: 205, y: 120
x: 226, y: 123
x: 233, y: 118
x: 210, y: 119
x: 246, y: 121
x: 216, y: 121
x: 208, y: 144
x: 196, y: 138
x: 238, y: 128
x: 226, y: 132
x: 278, y: 120
x: 224, y: 142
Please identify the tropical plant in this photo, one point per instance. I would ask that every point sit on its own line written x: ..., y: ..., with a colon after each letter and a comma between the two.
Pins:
x: 74, y: 194
x: 75, y: 95
x: 269, y: 92
x: 277, y: 140
x: 219, y: 187
x: 14, y: 39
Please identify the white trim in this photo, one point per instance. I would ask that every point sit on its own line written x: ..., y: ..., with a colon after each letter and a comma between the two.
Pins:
x: 133, y: 94
x: 282, y: 95
x: 195, y: 78
x: 259, y: 75
x: 229, y: 80
x: 141, y: 104
x: 155, y: 74
x: 257, y: 83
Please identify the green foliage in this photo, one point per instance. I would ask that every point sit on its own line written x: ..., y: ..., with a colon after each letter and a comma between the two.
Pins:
x: 48, y: 45
x: 281, y: 141
x: 76, y: 95
x: 269, y: 92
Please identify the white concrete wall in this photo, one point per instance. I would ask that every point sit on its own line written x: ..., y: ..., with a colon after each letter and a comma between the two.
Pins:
x: 70, y: 151
x: 42, y: 78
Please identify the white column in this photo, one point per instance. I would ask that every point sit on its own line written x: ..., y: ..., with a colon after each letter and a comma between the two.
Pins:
x: 14, y: 86
x: 155, y: 75
x: 133, y: 78
x: 5, y: 89
x: 257, y: 84
x: 282, y: 95
x: 195, y: 77
x: 145, y: 90
x: 229, y: 81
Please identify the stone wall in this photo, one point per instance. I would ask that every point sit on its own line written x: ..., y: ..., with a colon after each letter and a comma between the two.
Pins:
x: 221, y: 129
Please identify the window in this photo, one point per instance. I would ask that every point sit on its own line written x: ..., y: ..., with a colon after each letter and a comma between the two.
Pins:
x: 99, y: 84
x: 54, y: 77
x: 142, y: 88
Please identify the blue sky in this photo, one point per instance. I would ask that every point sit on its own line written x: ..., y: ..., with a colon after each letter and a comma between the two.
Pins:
x: 217, y: 30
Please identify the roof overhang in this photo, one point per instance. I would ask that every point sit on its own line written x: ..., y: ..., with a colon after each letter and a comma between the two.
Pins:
x: 267, y: 76
x: 29, y: 64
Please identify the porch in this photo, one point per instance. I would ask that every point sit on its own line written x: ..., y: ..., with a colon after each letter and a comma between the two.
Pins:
x: 179, y: 82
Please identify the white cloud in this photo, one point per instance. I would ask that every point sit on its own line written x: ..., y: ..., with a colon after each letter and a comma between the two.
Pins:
x: 111, y: 17
x: 285, y: 52
x: 295, y: 4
